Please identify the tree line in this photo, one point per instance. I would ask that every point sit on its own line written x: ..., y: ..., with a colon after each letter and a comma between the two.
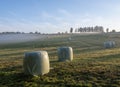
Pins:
x: 19, y: 32
x: 88, y: 29
x: 11, y: 32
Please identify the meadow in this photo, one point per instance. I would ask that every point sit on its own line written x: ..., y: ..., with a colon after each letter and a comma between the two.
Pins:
x: 92, y: 66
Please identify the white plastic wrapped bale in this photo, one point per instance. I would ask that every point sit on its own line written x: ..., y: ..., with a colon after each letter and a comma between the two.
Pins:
x: 113, y: 44
x: 69, y: 39
x: 36, y: 63
x: 65, y: 54
x: 109, y: 44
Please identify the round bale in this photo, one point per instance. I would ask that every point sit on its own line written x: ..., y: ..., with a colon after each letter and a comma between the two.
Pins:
x: 65, y: 54
x: 36, y: 63
x: 113, y: 44
x: 69, y: 39
x: 109, y: 44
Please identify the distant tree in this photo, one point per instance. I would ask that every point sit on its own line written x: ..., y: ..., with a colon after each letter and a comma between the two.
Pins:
x: 80, y: 29
x: 107, y: 30
x: 18, y: 32
x: 96, y: 28
x: 76, y: 30
x: 113, y: 31
x: 30, y: 32
x: 71, y: 30
x: 101, y: 29
x: 39, y: 32
x: 91, y: 29
x: 36, y: 32
x: 23, y: 32
x: 66, y: 32
x: 85, y: 29
x: 58, y: 32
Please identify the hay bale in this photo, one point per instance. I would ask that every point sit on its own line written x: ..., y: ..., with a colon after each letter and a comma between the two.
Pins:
x: 113, y: 44
x: 69, y: 39
x: 36, y: 63
x: 109, y: 44
x: 65, y: 54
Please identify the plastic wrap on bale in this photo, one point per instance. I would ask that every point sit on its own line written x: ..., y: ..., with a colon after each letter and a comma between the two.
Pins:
x: 109, y: 44
x: 36, y: 63
x: 65, y: 54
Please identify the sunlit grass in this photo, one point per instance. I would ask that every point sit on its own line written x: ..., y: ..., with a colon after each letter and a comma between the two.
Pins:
x: 93, y: 65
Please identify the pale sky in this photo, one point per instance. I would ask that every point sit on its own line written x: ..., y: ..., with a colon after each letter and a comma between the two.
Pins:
x: 52, y: 16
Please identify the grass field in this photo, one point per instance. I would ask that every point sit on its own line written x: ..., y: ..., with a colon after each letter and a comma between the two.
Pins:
x: 93, y: 65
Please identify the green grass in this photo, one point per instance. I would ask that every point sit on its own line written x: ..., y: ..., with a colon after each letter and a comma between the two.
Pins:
x: 93, y: 65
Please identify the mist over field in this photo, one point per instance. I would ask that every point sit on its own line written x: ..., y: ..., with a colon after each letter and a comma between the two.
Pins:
x: 15, y: 38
